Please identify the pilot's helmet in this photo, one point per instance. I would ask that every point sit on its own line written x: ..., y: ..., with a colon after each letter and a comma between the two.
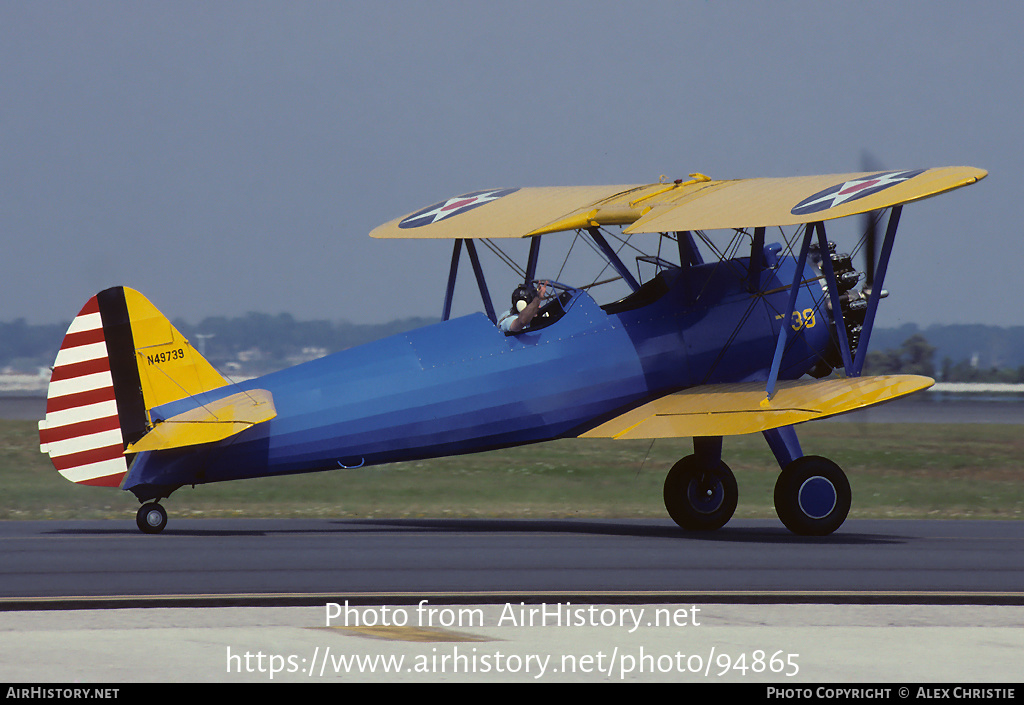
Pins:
x: 522, y: 297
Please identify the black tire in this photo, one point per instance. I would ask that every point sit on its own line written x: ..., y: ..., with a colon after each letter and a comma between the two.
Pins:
x: 812, y: 496
x: 699, y: 499
x: 151, y: 518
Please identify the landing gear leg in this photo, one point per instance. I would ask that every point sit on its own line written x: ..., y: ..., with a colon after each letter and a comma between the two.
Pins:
x: 812, y: 494
x: 700, y: 490
x: 151, y: 518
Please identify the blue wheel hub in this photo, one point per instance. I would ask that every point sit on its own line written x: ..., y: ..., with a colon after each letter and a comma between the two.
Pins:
x: 817, y: 497
x: 706, y: 496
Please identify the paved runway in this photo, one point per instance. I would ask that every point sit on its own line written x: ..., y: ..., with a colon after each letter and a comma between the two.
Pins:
x: 516, y: 601
x: 466, y: 557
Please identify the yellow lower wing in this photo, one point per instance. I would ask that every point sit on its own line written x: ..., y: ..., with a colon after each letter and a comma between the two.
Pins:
x: 735, y: 409
x: 206, y: 424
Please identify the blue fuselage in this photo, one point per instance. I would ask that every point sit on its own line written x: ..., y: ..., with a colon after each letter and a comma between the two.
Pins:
x: 462, y: 386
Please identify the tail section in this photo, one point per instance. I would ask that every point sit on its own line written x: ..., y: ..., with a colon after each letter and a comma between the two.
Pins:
x: 120, y: 358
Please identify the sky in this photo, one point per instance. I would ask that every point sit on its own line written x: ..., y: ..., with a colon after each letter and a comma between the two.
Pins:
x: 226, y: 157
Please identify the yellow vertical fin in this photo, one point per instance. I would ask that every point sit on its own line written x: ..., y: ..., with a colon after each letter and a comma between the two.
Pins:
x: 169, y: 367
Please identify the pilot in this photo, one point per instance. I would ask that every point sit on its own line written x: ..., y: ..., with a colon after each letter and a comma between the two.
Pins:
x: 526, y: 302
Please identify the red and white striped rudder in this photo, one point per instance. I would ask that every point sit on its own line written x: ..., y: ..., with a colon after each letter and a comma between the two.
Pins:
x: 82, y: 429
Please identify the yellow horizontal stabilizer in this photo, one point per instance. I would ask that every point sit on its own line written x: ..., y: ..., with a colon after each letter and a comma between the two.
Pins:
x: 735, y: 409
x: 699, y: 203
x: 209, y: 423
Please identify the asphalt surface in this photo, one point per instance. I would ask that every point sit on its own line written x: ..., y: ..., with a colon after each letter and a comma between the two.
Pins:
x: 243, y: 601
x: 271, y: 559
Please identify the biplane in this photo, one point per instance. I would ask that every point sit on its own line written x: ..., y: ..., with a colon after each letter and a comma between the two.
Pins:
x: 755, y: 337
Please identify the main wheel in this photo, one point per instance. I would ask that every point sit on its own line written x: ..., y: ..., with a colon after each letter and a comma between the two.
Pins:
x: 812, y: 496
x: 152, y: 518
x: 699, y: 499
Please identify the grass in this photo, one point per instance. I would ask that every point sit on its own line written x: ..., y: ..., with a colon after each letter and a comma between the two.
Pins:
x: 896, y: 470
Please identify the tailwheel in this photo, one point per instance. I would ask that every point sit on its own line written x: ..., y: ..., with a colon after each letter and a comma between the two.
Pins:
x: 152, y: 518
x: 698, y: 498
x: 812, y: 496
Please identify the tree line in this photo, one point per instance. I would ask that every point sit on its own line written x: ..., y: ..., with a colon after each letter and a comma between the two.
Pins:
x: 916, y: 356
x: 257, y: 343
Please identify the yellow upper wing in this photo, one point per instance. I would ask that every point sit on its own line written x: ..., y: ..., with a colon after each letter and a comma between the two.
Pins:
x: 748, y: 203
x: 517, y: 213
x: 698, y: 204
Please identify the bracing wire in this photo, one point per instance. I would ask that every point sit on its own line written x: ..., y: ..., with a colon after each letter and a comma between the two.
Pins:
x: 511, y: 263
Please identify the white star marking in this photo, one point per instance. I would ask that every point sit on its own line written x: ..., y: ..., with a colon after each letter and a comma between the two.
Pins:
x: 852, y: 189
x: 455, y: 205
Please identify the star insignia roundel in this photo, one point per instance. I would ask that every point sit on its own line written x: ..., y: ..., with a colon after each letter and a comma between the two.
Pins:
x: 852, y: 190
x: 453, y: 206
